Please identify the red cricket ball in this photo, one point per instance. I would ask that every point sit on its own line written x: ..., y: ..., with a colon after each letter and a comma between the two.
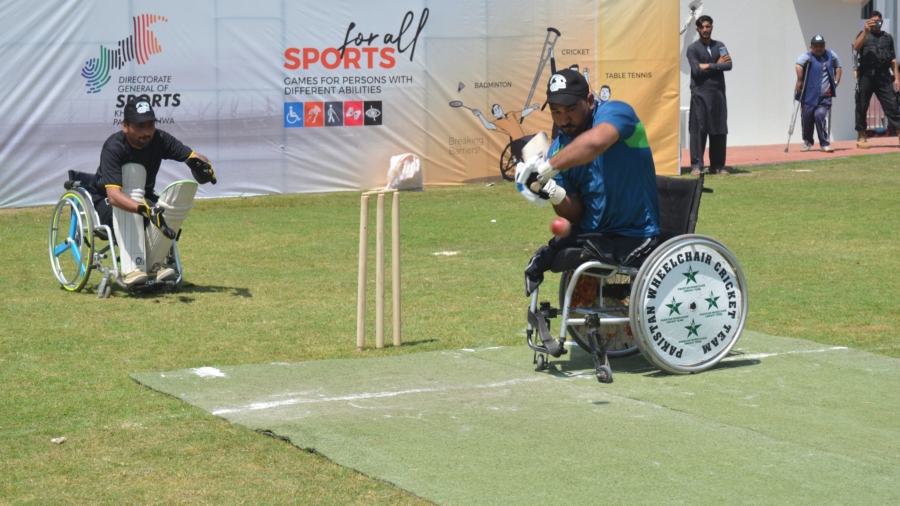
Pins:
x: 560, y: 227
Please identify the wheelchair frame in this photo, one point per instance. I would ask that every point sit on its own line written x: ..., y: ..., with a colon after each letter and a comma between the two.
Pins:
x: 592, y: 318
x: 75, y: 229
x: 678, y: 227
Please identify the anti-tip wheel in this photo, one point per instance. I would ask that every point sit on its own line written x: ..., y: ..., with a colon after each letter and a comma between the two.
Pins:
x: 539, y: 361
x: 604, y: 374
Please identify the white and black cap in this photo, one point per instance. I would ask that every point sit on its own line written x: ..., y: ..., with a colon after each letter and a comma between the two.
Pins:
x: 566, y: 87
x: 138, y: 110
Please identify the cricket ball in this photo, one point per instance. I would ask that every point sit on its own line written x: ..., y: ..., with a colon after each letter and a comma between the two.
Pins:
x: 560, y: 227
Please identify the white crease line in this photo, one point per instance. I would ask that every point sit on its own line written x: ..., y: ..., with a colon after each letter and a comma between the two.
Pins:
x: 375, y: 395
x: 766, y: 355
x: 208, y: 372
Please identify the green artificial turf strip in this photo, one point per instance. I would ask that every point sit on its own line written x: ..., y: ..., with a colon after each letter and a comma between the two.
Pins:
x: 779, y: 421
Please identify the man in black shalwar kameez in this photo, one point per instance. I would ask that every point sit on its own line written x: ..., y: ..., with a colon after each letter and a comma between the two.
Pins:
x: 709, y: 60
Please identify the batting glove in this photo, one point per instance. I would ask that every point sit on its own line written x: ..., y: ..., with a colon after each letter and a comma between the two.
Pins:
x: 155, y: 215
x: 545, y: 172
x: 525, y: 176
x: 553, y: 192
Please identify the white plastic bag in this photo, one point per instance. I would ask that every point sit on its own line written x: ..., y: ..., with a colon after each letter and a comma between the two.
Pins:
x: 405, y: 173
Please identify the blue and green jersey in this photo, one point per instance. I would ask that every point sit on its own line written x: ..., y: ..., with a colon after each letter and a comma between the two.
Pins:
x: 618, y: 188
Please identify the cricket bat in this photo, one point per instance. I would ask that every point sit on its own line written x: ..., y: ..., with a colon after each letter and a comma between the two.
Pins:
x: 538, y: 145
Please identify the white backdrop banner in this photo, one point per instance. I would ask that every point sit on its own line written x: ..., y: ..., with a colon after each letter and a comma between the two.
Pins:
x: 294, y: 97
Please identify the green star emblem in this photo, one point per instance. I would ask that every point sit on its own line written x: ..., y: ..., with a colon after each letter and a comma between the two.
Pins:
x: 712, y: 301
x: 673, y: 307
x: 690, y: 275
x: 692, y: 329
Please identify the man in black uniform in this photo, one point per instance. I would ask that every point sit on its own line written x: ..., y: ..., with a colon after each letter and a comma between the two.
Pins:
x: 709, y: 60
x: 124, y: 194
x: 877, y: 73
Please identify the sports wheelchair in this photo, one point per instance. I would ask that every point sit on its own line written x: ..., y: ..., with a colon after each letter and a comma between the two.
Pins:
x: 75, y: 243
x: 683, y: 305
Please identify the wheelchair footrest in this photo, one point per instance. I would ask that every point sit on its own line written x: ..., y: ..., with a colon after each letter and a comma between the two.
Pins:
x: 554, y: 347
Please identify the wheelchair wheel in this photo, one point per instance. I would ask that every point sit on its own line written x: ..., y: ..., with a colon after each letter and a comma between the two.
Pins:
x: 71, y: 245
x: 618, y: 340
x: 508, y: 162
x: 689, y: 304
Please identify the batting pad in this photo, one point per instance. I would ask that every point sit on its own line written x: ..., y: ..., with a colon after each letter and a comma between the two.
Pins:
x: 177, y: 199
x: 129, y: 227
x: 779, y: 421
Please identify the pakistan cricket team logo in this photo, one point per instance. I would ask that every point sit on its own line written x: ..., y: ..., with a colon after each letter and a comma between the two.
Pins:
x: 693, y: 304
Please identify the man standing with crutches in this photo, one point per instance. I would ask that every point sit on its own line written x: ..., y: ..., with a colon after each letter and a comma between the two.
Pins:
x: 818, y: 76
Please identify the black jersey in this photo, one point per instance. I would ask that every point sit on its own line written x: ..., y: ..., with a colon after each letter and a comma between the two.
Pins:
x: 877, y: 51
x: 117, y: 152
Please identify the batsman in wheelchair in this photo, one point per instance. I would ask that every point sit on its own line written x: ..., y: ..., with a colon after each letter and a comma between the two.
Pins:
x: 599, y: 175
x: 118, y: 205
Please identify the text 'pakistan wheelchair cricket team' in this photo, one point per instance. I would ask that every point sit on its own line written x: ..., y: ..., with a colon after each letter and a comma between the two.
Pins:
x: 634, y: 276
x: 118, y: 205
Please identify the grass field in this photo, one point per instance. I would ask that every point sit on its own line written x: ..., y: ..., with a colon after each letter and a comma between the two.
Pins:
x: 273, y: 279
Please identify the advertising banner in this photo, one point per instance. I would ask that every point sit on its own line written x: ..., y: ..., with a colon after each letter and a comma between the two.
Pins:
x: 292, y: 97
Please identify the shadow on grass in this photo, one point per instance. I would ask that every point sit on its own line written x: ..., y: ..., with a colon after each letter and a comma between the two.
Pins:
x: 237, y: 292
x: 418, y: 342
x: 190, y: 288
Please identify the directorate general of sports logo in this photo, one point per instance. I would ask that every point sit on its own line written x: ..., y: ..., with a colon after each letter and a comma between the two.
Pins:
x: 138, y: 46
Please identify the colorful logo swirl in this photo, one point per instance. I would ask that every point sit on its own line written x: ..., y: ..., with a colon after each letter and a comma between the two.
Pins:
x: 138, y: 46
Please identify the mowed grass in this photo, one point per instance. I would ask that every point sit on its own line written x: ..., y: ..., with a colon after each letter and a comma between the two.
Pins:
x: 273, y: 279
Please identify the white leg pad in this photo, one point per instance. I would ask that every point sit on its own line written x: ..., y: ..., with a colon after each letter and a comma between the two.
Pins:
x: 129, y: 227
x: 177, y: 199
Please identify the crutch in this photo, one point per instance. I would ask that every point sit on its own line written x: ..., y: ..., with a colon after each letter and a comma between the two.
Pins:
x: 587, y: 77
x: 797, y: 108
x: 546, y: 54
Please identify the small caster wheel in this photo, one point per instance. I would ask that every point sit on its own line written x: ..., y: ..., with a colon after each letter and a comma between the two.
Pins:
x: 104, y: 289
x: 604, y: 374
x: 540, y: 363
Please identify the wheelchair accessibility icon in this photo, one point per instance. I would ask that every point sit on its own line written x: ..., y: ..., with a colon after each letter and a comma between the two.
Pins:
x: 293, y: 114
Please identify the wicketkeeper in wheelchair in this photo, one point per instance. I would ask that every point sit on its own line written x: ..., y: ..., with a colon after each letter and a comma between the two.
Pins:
x: 634, y: 276
x: 121, y: 196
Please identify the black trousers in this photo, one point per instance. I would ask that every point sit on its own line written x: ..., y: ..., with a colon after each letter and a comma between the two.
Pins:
x: 698, y: 147
x: 561, y: 254
x: 882, y: 85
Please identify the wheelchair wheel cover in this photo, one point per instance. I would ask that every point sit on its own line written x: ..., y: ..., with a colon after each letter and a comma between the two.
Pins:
x: 70, y: 241
x: 688, y: 304
x: 618, y: 345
